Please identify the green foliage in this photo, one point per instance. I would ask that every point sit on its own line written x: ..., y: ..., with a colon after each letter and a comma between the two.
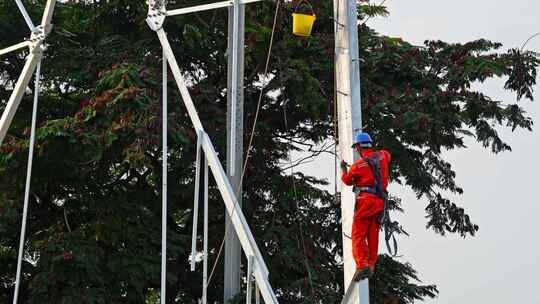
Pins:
x: 95, y: 212
x: 392, y: 283
x: 370, y: 10
x: 431, y: 107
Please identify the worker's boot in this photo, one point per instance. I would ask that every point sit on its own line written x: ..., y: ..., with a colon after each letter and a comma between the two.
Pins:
x: 362, y: 273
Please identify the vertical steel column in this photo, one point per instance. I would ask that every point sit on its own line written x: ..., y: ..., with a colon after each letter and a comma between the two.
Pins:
x: 27, y: 186
x: 205, y: 241
x: 362, y: 291
x: 347, y: 73
x: 356, y: 292
x: 249, y: 279
x: 235, y: 135
x: 164, y: 187
x: 234, y: 68
x: 196, y: 196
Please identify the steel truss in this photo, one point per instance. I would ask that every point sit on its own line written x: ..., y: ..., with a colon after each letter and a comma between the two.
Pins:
x: 349, y: 119
x: 257, y: 268
x: 36, y: 45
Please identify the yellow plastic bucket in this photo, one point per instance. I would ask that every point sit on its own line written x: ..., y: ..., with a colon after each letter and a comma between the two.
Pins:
x: 303, y: 23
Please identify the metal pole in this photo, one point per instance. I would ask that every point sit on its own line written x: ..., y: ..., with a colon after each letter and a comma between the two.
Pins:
x: 14, y: 47
x: 347, y: 73
x: 234, y: 83
x: 235, y: 135
x: 357, y: 292
x: 205, y: 7
x: 363, y: 291
x: 26, y: 17
x: 205, y: 242
x: 27, y: 186
x: 196, y: 202
x: 164, y: 187
x: 249, y: 279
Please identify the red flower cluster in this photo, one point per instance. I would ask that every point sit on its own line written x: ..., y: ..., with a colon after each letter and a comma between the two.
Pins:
x: 68, y: 255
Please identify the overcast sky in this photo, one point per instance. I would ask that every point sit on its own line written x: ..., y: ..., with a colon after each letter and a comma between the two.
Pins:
x: 502, y: 263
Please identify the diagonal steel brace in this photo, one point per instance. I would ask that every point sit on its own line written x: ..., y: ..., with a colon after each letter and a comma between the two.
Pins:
x: 37, y: 46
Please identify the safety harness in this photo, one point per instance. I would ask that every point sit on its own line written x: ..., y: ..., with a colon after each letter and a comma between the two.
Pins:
x: 374, y: 163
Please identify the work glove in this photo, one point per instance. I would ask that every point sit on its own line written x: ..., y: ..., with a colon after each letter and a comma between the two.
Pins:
x: 344, y: 166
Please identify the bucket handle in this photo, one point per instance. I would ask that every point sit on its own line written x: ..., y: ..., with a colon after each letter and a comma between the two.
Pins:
x: 304, y: 1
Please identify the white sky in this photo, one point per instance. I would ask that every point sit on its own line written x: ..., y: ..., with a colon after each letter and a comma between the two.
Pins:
x: 501, y: 264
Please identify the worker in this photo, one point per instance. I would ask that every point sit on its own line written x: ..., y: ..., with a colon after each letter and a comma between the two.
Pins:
x: 369, y: 178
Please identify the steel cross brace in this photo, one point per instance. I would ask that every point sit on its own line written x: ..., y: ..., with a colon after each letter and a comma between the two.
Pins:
x: 156, y: 16
x: 37, y: 46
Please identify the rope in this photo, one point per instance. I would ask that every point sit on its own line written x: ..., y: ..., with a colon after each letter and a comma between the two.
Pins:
x: 527, y: 41
x: 252, y: 135
x: 296, y: 200
x: 336, y: 136
x: 28, y: 180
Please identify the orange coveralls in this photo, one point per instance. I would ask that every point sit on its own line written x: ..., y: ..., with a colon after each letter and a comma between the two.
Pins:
x: 365, y: 229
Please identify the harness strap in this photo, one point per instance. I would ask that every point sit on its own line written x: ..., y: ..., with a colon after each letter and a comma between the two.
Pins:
x: 389, y: 229
x: 386, y: 223
x: 359, y: 190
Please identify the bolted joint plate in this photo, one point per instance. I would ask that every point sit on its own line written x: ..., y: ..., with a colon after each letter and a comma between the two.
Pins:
x: 37, y: 39
x: 156, y: 13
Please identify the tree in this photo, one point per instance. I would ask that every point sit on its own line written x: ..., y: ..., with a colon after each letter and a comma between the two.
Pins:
x: 95, y: 206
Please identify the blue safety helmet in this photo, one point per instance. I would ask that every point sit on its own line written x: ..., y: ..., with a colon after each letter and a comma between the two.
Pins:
x: 364, y: 140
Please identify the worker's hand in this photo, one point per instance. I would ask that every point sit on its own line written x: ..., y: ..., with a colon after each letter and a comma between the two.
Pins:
x: 343, y: 166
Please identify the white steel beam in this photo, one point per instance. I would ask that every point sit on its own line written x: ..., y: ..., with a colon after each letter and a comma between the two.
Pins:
x: 47, y: 16
x: 17, y: 94
x: 180, y: 82
x: 264, y: 286
x: 26, y: 17
x: 14, y: 47
x: 205, y: 7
